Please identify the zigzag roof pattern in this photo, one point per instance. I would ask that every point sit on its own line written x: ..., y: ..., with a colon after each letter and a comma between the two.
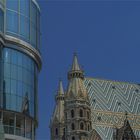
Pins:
x: 109, y: 102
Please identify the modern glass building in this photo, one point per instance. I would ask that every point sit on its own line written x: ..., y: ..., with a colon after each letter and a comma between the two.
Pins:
x: 20, y: 63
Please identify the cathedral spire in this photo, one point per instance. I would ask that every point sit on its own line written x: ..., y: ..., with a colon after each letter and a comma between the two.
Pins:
x: 75, y: 65
x: 60, y: 92
x: 77, y: 105
x: 57, y: 121
x: 76, y: 71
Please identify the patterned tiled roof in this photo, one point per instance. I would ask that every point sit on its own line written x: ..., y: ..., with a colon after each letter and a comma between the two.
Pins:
x: 109, y: 101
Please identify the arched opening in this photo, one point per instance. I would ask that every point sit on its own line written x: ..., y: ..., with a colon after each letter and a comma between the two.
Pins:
x: 88, y: 127
x: 73, y: 138
x: 64, y: 132
x: 72, y: 126
x: 82, y: 126
x: 88, y: 114
x: 81, y: 113
x: 72, y: 113
x: 56, y: 132
x: 66, y: 115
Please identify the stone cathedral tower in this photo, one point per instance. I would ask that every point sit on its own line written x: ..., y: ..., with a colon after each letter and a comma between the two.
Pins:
x: 77, y: 106
x: 57, y: 121
x: 73, y: 114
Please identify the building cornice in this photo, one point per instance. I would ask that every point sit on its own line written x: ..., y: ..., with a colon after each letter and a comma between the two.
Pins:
x: 23, y: 46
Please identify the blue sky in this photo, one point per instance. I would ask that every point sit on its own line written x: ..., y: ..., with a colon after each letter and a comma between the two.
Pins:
x: 105, y: 35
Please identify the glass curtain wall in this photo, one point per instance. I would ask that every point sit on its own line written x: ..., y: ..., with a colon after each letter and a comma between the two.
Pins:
x: 23, y: 21
x: 19, y: 88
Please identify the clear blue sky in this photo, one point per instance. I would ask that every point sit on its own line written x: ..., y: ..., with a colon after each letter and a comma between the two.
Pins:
x: 106, y: 36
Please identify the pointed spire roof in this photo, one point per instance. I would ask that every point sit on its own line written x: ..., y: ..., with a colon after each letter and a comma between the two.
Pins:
x: 75, y: 64
x: 58, y: 115
x: 76, y: 88
x: 76, y: 71
x: 60, y: 88
x: 60, y: 91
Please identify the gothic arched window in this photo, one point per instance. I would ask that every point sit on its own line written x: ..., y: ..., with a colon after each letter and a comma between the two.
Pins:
x: 73, y: 138
x: 81, y: 126
x: 66, y: 115
x: 88, y: 127
x: 88, y: 114
x: 72, y: 126
x: 72, y: 113
x: 81, y: 113
x: 56, y: 131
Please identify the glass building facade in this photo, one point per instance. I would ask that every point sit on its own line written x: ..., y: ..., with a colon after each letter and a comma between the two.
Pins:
x: 20, y: 63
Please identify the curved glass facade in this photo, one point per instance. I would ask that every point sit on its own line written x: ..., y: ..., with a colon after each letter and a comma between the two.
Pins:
x: 19, y: 66
x: 20, y: 78
x: 22, y: 21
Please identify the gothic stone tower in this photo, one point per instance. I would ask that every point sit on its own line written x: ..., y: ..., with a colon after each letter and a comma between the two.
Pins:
x: 125, y: 132
x: 57, y: 121
x: 77, y: 106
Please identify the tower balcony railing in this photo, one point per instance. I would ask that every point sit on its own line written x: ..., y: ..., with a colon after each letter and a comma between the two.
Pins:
x: 16, y: 131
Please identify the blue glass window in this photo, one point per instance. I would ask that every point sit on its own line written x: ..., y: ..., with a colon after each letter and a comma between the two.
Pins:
x: 12, y: 21
x: 24, y: 7
x: 33, y: 36
x: 13, y: 102
x: 7, y: 85
x: 1, y: 21
x: 13, y: 71
x: 13, y: 86
x: 14, y: 57
x: 24, y: 28
x: 7, y: 56
x: 19, y: 59
x: 12, y: 4
x: 8, y: 101
x: 20, y: 73
x: 19, y: 88
x: 33, y: 13
x: 7, y: 70
x: 38, y: 30
x: 19, y: 78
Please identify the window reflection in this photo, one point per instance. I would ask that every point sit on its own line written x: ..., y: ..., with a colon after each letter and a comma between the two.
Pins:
x: 20, y: 77
x: 25, y: 16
